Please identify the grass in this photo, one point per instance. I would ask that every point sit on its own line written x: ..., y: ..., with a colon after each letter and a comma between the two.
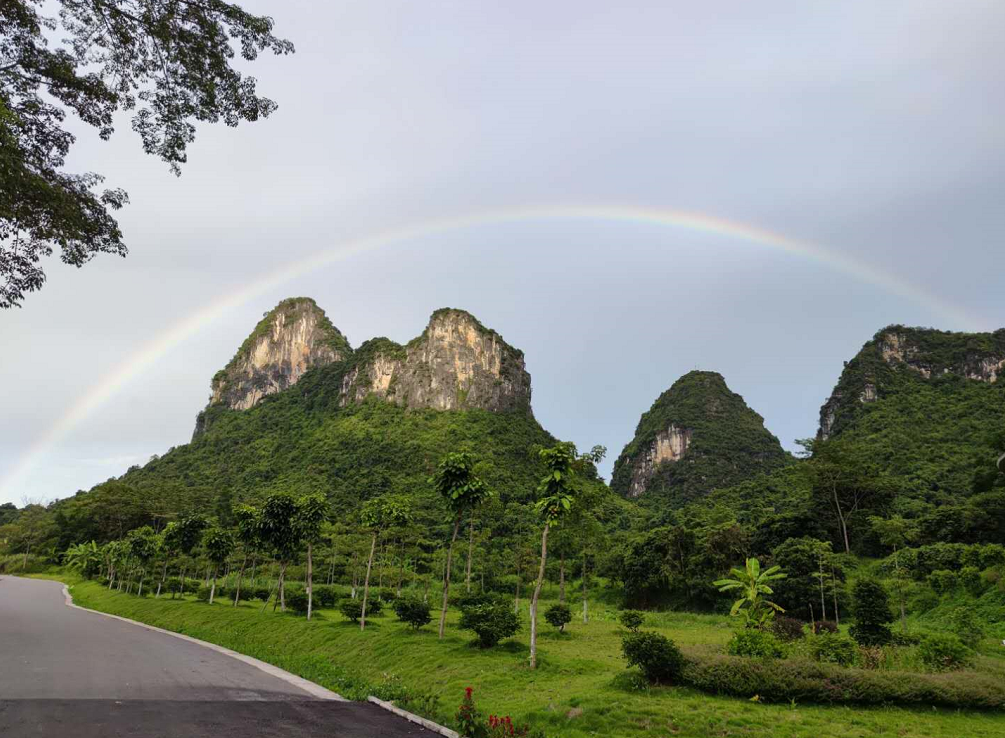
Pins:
x: 581, y: 687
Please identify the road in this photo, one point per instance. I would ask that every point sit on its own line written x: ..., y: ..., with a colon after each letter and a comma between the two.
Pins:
x: 65, y: 671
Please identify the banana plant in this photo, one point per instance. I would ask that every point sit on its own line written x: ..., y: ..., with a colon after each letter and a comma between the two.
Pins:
x: 756, y: 610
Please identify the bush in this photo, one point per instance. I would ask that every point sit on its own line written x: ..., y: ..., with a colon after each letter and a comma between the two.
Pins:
x: 943, y: 581
x: 656, y: 655
x: 473, y: 599
x: 325, y: 595
x: 261, y: 593
x: 797, y: 680
x: 970, y: 578
x: 296, y: 601
x: 787, y: 629
x: 871, y: 608
x: 374, y: 606
x: 632, y: 619
x: 352, y: 609
x: 386, y: 595
x: 755, y: 643
x: 413, y: 611
x: 832, y: 648
x: 825, y: 626
x: 491, y: 622
x: 905, y: 639
x: 943, y: 652
x: 964, y: 624
x: 559, y: 616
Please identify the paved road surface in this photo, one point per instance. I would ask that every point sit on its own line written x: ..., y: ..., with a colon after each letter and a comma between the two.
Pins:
x: 64, y: 671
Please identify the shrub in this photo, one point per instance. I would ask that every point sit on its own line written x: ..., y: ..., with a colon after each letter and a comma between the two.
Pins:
x: 262, y: 593
x: 203, y: 594
x: 325, y: 595
x: 825, y: 626
x: 943, y: 581
x: 296, y: 601
x: 656, y: 655
x: 870, y: 657
x: 491, y: 622
x: 905, y: 639
x: 755, y: 643
x: 632, y: 619
x: 797, y: 680
x: 970, y: 578
x: 473, y: 599
x: 386, y: 595
x: 788, y: 629
x: 965, y: 625
x: 832, y: 648
x: 871, y: 608
x: 413, y: 611
x: 559, y: 616
x: 943, y: 652
x: 352, y: 609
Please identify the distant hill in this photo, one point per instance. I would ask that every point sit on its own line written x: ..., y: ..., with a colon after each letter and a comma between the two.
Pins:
x: 697, y: 436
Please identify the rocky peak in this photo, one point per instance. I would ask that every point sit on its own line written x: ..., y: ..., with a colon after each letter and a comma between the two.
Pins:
x: 456, y: 363
x: 697, y: 436
x: 292, y: 338
x: 898, y: 354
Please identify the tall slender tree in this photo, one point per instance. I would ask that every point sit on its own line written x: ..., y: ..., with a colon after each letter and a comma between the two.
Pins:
x: 555, y: 498
x: 312, y: 514
x: 247, y: 521
x: 279, y: 532
x: 219, y: 544
x: 463, y: 490
x: 378, y: 515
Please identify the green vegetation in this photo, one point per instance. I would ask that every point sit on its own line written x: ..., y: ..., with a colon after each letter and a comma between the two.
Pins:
x: 728, y: 442
x: 579, y: 689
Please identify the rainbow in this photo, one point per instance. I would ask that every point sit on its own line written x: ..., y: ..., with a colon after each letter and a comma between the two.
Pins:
x: 191, y: 324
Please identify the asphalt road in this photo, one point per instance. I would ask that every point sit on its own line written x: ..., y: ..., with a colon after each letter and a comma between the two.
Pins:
x: 65, y: 671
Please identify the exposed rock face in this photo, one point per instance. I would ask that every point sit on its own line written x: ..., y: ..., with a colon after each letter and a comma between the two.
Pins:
x: 669, y: 445
x: 897, y: 353
x: 455, y: 364
x: 698, y: 436
x: 293, y: 337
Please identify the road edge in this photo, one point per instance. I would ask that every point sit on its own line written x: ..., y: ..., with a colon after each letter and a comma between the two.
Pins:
x: 315, y: 690
x: 412, y: 718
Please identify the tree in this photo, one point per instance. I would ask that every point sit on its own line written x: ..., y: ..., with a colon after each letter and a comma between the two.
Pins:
x: 378, y: 515
x: 247, y: 523
x: 752, y: 582
x: 896, y: 532
x: 311, y: 517
x: 183, y: 539
x: 219, y: 544
x: 804, y: 560
x: 846, y: 477
x: 554, y: 503
x: 169, y: 62
x: 142, y: 548
x: 871, y: 609
x: 279, y: 533
x: 463, y: 490
x: 559, y: 616
x: 86, y: 558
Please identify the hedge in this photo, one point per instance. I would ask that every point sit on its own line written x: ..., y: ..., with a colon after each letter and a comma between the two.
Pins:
x: 808, y: 681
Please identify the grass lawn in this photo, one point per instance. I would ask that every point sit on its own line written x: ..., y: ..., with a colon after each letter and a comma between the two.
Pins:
x: 581, y: 687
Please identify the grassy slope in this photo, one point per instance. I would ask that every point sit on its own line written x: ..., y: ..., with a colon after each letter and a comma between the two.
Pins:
x: 578, y: 672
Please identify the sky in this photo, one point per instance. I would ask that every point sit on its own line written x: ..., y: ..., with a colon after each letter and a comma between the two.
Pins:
x: 867, y: 134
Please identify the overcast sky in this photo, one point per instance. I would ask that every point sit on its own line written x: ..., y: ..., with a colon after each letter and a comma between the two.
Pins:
x: 873, y: 130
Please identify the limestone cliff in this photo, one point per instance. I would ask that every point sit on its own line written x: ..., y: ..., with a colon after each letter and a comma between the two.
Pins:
x: 457, y: 363
x: 292, y: 338
x: 698, y: 436
x: 897, y: 356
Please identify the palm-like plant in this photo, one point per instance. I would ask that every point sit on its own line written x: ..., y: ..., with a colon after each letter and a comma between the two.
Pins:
x: 85, y: 557
x: 757, y: 611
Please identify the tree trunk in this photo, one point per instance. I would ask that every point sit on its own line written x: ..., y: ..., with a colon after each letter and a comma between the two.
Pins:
x: 331, y: 571
x: 181, y: 585
x: 900, y: 590
x: 834, y: 593
x: 446, y: 576
x: 823, y: 606
x: 401, y: 567
x: 164, y: 573
x: 282, y: 586
x: 366, y: 583
x: 139, y: 592
x: 381, y: 559
x: 471, y: 548
x: 844, y: 525
x: 585, y: 617
x: 561, y: 577
x: 212, y: 590
x: 310, y: 582
x: 240, y: 576
x: 537, y: 594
